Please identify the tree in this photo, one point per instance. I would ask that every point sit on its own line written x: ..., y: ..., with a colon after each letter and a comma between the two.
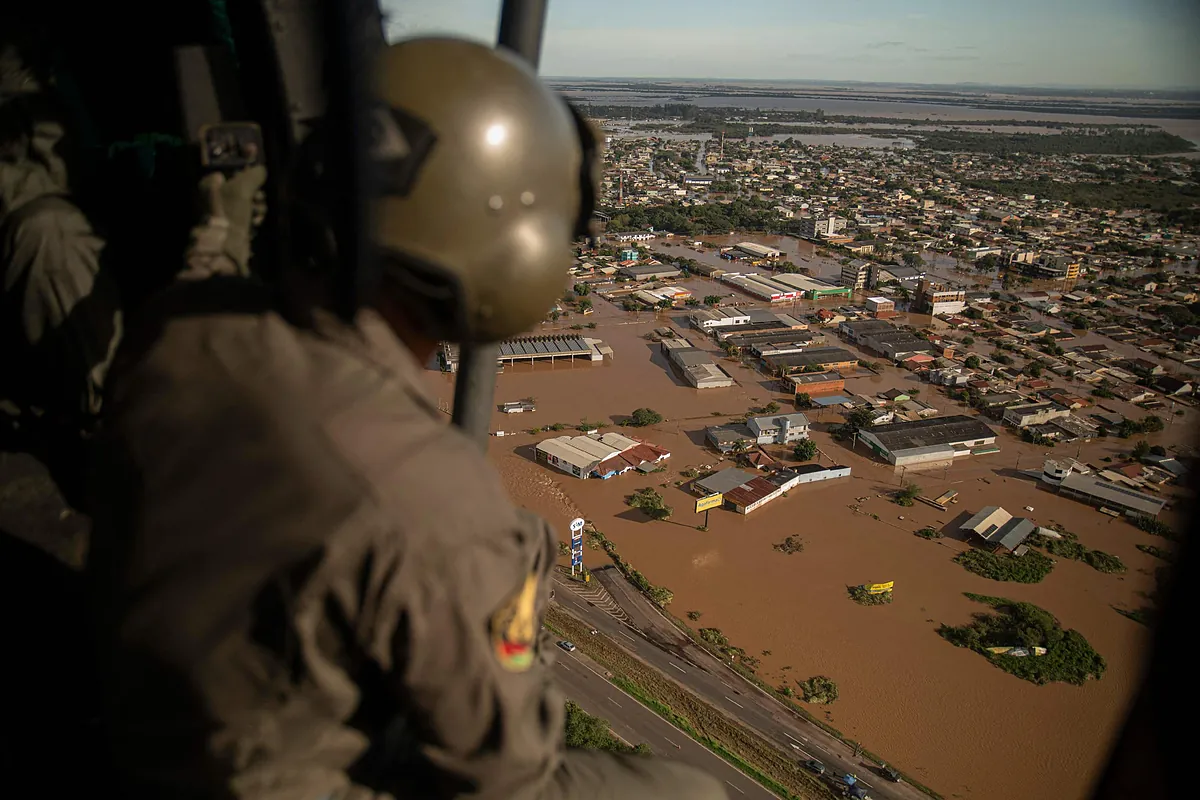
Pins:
x: 641, y: 417
x: 771, y: 408
x: 582, y: 289
x: 972, y: 362
x: 585, y: 304
x: 803, y: 400
x: 1141, y: 449
x: 711, y: 300
x: 913, y: 260
x: 1033, y: 369
x: 968, y: 340
x: 906, y: 495
x: 583, y: 731
x: 1158, y: 450
x: 665, y: 303
x: 650, y: 503
x: 805, y: 450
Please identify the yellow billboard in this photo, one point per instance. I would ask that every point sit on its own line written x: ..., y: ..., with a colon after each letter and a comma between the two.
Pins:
x: 880, y: 588
x: 709, y: 501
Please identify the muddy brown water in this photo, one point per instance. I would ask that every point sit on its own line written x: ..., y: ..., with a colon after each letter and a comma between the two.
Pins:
x: 942, y: 713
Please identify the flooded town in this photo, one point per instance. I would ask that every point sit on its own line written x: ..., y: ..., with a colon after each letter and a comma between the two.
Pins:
x: 1020, y: 366
x: 606, y: 401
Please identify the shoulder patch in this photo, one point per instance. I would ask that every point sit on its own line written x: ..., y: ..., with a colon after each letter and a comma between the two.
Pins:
x: 514, y: 627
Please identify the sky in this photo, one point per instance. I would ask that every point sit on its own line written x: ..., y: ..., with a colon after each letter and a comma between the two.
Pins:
x: 1147, y: 44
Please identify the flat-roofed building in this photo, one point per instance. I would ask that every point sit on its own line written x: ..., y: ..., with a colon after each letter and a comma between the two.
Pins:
x: 854, y: 276
x: 821, y: 358
x: 757, y: 250
x: 706, y: 319
x: 1026, y: 414
x: 650, y: 272
x: 814, y: 384
x: 1102, y: 493
x: 938, y: 439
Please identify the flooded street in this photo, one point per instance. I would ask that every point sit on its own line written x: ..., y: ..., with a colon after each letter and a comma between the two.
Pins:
x: 957, y: 723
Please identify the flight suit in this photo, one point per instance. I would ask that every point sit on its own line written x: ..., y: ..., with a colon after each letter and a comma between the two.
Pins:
x: 60, y: 313
x: 307, y: 585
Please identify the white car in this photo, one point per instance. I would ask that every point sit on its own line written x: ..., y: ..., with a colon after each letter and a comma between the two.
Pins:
x: 568, y: 646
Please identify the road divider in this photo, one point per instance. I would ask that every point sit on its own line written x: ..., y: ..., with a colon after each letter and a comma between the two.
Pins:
x: 749, y: 752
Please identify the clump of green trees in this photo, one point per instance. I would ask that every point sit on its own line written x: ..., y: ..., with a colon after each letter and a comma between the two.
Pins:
x: 1069, y: 657
x: 1157, y: 552
x: 587, y: 732
x: 805, y: 450
x: 928, y: 533
x: 818, y: 689
x: 650, y: 503
x: 1069, y: 547
x: 790, y: 545
x: 1147, y: 424
x: 860, y: 595
x: 1155, y: 527
x: 641, y: 417
x: 907, y: 494
x: 1029, y: 568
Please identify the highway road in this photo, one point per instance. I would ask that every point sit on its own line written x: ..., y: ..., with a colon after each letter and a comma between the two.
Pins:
x: 636, y: 625
x: 581, y: 680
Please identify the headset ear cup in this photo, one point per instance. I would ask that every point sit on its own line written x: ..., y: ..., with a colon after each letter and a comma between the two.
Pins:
x: 591, y: 144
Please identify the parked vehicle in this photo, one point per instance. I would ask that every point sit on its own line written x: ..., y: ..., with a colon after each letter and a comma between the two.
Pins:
x: 814, y: 766
x: 568, y: 646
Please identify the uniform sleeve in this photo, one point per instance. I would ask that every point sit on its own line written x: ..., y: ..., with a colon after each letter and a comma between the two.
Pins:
x: 70, y: 312
x: 488, y: 718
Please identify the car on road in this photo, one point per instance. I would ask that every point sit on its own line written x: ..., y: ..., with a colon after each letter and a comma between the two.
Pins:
x: 568, y: 646
x: 889, y: 774
x: 814, y: 766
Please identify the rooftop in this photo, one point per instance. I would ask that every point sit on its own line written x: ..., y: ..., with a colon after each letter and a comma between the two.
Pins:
x: 545, y: 345
x: 724, y: 481
x: 1111, y: 493
x: 930, y: 432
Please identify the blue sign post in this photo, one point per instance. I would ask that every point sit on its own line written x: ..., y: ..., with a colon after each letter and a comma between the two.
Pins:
x: 577, y: 544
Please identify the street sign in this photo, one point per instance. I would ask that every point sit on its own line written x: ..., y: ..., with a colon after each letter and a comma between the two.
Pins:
x: 577, y: 525
x: 880, y: 588
x: 709, y: 501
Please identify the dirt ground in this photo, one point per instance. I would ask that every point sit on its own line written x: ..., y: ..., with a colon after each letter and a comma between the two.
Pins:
x: 962, y: 726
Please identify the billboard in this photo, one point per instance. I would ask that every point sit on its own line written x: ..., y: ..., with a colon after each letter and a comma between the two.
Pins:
x: 880, y: 588
x: 709, y: 501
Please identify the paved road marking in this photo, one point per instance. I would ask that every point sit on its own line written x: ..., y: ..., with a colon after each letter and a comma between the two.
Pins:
x: 677, y: 747
x: 734, y: 786
x: 589, y: 669
x: 735, y: 702
x: 627, y: 636
x: 822, y: 749
x: 684, y: 671
x: 564, y: 666
x: 614, y: 702
x: 793, y: 738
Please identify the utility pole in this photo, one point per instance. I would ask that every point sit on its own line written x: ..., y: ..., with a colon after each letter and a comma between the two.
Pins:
x: 521, y: 25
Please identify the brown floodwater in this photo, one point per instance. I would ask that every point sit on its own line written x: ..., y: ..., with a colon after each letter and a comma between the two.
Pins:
x: 960, y: 725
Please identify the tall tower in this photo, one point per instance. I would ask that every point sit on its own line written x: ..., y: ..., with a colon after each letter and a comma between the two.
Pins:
x: 722, y: 144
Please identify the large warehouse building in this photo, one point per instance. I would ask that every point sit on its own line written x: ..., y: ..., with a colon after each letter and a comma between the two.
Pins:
x: 822, y: 358
x: 599, y: 455
x: 930, y: 442
x: 695, y: 365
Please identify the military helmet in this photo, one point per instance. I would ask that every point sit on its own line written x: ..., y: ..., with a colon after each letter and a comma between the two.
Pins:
x: 487, y: 178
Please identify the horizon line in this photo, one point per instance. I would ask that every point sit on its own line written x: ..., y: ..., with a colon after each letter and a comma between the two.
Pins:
x: 830, y: 81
